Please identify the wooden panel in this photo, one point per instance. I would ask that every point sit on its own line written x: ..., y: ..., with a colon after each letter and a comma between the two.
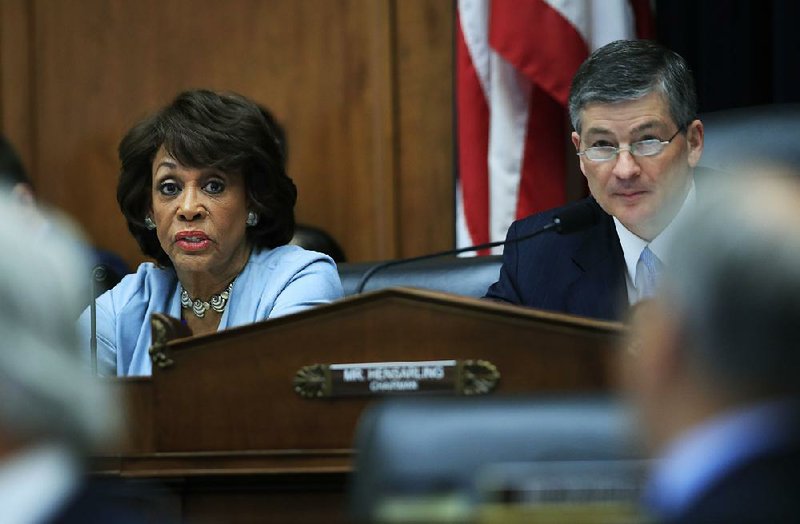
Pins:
x: 363, y: 88
x: 284, y: 499
x: 322, y: 66
x: 15, y: 78
x: 425, y: 126
x: 137, y: 395
x: 233, y: 440
x: 533, y: 351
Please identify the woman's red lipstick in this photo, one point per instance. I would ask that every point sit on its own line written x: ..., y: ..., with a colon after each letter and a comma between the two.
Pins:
x: 192, y: 240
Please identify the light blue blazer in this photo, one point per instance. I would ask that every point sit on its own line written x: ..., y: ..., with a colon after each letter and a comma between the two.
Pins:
x: 275, y: 282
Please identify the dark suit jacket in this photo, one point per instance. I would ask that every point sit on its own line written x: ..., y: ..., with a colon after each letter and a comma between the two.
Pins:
x: 581, y: 273
x: 763, y: 490
x: 111, y: 501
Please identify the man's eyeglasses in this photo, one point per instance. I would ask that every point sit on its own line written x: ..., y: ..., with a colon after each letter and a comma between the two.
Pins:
x: 650, y: 147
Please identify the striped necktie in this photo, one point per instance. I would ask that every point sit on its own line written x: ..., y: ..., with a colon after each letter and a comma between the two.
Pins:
x: 648, y: 273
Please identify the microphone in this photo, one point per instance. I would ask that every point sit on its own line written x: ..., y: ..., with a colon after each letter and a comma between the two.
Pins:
x: 99, y: 274
x: 577, y: 216
x: 569, y: 219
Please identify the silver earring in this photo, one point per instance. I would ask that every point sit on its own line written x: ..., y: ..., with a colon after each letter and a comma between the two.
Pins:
x: 149, y: 224
x: 252, y: 218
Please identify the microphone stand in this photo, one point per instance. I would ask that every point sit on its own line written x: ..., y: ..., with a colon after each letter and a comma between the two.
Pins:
x: 389, y: 263
x: 569, y: 219
x: 99, y: 274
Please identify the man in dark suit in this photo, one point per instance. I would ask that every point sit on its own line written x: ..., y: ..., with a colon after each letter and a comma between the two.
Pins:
x: 632, y: 105
x: 714, y: 361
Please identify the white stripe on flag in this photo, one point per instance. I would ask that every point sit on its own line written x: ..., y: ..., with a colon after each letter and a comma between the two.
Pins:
x: 474, y: 17
x: 598, y: 22
x: 463, y: 238
x: 509, y: 101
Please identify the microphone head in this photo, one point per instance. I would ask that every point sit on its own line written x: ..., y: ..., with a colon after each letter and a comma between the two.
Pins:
x: 100, y: 272
x: 577, y: 217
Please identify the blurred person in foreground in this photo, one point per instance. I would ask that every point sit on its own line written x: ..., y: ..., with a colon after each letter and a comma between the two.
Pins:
x: 51, y: 413
x: 17, y: 183
x: 715, y: 371
x: 13, y: 176
x: 204, y: 191
x: 633, y: 108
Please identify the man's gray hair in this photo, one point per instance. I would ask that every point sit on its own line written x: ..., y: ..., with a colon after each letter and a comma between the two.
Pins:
x: 46, y: 393
x: 734, y: 282
x: 627, y: 70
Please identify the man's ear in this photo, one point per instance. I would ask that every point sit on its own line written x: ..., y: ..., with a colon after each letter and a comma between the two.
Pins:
x: 23, y: 193
x: 651, y: 355
x: 695, y: 139
x: 576, y: 141
x: 654, y: 370
x: 666, y: 342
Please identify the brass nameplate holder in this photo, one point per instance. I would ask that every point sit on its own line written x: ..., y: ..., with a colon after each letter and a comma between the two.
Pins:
x: 459, y: 377
x: 164, y: 329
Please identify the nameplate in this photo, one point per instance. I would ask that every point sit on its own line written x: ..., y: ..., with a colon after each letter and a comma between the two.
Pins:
x: 455, y: 377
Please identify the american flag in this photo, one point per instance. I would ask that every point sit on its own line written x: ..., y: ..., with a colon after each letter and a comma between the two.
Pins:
x: 515, y: 60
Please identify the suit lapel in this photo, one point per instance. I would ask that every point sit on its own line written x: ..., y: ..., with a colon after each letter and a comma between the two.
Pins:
x: 599, y: 288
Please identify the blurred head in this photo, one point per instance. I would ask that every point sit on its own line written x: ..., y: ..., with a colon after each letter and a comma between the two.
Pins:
x: 13, y: 177
x: 11, y: 170
x: 203, y: 163
x: 46, y: 393
x: 725, y: 330
x: 627, y: 92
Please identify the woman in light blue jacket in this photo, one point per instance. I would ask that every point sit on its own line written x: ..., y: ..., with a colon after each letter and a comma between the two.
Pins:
x: 204, y: 191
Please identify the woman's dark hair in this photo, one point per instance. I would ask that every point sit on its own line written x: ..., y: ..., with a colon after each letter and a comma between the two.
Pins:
x: 202, y: 129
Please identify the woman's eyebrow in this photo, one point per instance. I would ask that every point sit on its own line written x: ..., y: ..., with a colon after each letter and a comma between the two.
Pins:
x: 166, y: 163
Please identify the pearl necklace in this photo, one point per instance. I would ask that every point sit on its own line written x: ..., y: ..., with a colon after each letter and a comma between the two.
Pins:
x: 199, y: 307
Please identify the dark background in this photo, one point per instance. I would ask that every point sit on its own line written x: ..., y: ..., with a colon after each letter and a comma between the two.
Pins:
x: 742, y: 52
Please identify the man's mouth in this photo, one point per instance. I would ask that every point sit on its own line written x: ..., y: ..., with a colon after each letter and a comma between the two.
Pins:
x: 630, y: 194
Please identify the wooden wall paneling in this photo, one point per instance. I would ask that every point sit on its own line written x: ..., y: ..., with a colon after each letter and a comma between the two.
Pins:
x: 383, y: 128
x: 323, y: 67
x: 87, y: 93
x: 340, y: 128
x: 16, y: 61
x: 424, y: 30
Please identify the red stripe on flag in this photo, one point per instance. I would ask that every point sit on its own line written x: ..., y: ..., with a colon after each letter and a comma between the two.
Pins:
x: 542, y: 44
x: 643, y: 18
x: 544, y: 164
x: 473, y: 143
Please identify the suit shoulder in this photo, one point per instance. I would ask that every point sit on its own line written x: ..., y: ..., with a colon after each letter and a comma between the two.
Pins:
x: 531, y: 223
x: 539, y: 220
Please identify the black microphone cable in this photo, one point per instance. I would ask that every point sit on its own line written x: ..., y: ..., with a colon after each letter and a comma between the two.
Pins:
x: 99, y: 274
x: 572, y: 218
